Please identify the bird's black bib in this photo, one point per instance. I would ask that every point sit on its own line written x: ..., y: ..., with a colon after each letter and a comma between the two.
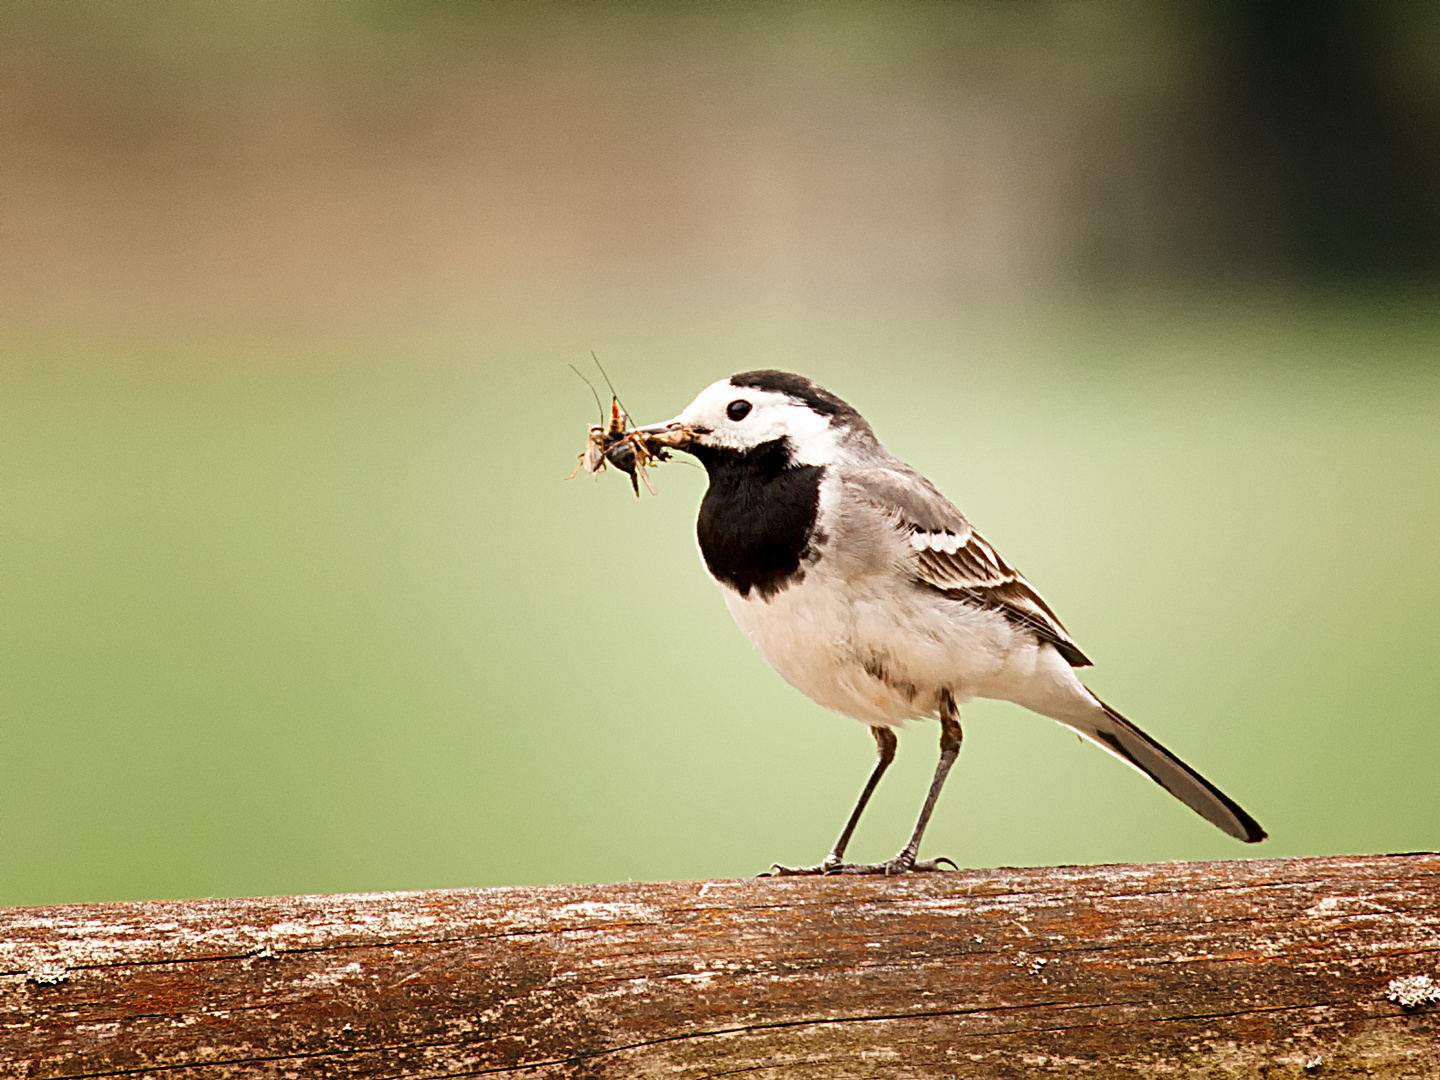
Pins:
x: 757, y: 520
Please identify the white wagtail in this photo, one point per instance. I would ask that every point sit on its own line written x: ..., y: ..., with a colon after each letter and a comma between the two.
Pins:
x: 868, y: 591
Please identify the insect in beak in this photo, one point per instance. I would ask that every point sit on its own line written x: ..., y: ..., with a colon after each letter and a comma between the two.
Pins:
x: 628, y: 449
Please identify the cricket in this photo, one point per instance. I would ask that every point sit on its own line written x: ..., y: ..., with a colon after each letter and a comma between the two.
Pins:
x: 617, y: 442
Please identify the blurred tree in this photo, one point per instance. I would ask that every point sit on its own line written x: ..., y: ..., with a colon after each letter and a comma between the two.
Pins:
x: 1340, y: 160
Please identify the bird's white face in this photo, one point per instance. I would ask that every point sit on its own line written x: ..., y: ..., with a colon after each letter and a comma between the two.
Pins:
x: 743, y: 417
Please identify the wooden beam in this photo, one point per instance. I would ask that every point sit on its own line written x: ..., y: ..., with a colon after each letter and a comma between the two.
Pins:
x: 1274, y: 968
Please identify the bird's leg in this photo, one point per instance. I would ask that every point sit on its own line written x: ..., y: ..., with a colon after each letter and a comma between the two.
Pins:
x: 950, y: 736
x: 905, y: 862
x: 885, y: 745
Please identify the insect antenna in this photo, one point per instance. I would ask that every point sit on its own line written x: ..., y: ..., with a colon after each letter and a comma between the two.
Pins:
x: 611, y: 385
x: 593, y: 391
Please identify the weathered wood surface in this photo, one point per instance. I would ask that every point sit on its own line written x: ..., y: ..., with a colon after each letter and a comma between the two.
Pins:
x: 1277, y: 968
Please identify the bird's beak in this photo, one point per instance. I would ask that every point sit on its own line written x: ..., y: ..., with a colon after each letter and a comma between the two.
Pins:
x: 671, y: 434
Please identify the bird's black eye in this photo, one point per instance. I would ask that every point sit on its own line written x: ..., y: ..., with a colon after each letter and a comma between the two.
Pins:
x: 738, y: 409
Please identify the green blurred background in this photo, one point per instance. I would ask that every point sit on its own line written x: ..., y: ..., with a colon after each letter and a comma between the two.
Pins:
x: 293, y: 597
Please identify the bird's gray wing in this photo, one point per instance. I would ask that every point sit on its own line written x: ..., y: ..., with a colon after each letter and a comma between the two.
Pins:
x: 949, y: 555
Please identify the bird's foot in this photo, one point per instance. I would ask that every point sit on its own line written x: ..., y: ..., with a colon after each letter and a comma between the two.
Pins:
x: 901, y: 864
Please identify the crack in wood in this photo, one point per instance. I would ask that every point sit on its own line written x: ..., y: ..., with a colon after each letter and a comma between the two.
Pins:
x: 898, y: 1017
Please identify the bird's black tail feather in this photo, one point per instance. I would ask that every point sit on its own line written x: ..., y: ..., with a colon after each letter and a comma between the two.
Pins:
x: 1112, y: 732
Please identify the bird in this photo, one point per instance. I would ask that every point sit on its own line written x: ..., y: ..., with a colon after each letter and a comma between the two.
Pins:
x: 868, y: 591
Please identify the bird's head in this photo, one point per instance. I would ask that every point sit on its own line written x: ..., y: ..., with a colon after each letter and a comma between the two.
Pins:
x: 763, y: 411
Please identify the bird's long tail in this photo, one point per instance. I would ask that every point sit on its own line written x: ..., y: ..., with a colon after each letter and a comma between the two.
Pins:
x: 1110, y: 731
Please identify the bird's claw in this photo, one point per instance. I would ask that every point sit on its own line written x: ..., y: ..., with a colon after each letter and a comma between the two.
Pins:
x: 778, y: 870
x: 932, y: 866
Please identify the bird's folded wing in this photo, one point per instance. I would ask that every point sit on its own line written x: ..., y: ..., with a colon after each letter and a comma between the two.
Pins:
x: 952, y: 557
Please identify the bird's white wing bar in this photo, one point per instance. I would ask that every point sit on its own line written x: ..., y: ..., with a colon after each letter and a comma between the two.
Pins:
x: 946, y: 541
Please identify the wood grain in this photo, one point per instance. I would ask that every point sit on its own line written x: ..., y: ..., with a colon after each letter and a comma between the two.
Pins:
x: 1273, y: 968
